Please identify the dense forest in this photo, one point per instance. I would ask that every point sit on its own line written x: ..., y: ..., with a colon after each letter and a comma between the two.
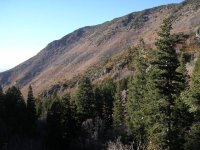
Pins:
x: 156, y: 108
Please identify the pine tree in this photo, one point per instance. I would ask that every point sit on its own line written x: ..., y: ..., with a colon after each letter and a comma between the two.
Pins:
x: 15, y: 110
x: 192, y: 99
x: 85, y: 99
x: 183, y: 73
x: 163, y: 90
x: 62, y: 127
x: 98, y: 96
x: 118, y: 112
x: 192, y: 96
x: 136, y: 102
x: 31, y: 112
x: 68, y: 121
x: 108, y: 91
x: 193, y: 138
x: 183, y: 118
x: 54, y: 126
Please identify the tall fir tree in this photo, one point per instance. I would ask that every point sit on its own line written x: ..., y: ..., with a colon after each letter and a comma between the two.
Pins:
x: 163, y: 90
x: 54, y: 126
x: 192, y: 95
x: 118, y: 112
x: 183, y: 118
x: 15, y: 110
x: 68, y: 121
x: 31, y: 112
x: 192, y: 99
x: 183, y: 73
x: 85, y: 99
x: 136, y: 102
x: 62, y: 126
x: 108, y: 90
x: 98, y: 96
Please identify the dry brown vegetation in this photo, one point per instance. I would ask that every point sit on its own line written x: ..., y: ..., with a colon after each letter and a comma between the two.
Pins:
x: 72, y: 55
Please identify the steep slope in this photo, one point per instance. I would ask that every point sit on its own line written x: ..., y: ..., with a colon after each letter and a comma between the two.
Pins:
x: 70, y: 56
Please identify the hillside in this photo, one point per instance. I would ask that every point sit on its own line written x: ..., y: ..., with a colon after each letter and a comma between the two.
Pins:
x: 72, y: 55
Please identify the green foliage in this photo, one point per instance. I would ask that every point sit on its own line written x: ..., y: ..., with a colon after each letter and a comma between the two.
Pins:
x: 193, y: 138
x: 85, y: 99
x: 192, y: 96
x: 31, y: 112
x: 61, y: 123
x: 164, y: 88
x: 98, y: 96
x: 54, y: 126
x: 183, y: 73
x: 118, y: 112
x: 69, y: 123
x: 15, y: 110
x: 108, y: 91
x: 136, y: 101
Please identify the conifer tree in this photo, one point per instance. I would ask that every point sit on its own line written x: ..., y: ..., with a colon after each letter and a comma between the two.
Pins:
x: 183, y: 73
x: 118, y: 113
x: 68, y: 121
x: 31, y: 112
x: 163, y: 90
x: 192, y: 99
x: 85, y: 99
x: 108, y: 90
x: 192, y: 96
x: 98, y: 96
x: 15, y: 110
x: 183, y: 118
x: 136, y: 101
x: 54, y: 126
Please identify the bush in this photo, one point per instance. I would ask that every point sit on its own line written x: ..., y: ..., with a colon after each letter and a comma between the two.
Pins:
x: 118, y: 145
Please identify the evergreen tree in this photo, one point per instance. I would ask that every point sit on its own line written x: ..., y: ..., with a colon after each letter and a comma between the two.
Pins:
x: 68, y: 121
x: 163, y: 90
x: 15, y: 110
x: 98, y: 96
x: 136, y: 100
x: 118, y: 112
x: 31, y: 112
x: 85, y: 99
x: 192, y: 96
x: 183, y: 118
x: 54, y: 126
x: 183, y: 74
x: 192, y: 99
x: 62, y: 126
x: 108, y: 90
x: 193, y: 138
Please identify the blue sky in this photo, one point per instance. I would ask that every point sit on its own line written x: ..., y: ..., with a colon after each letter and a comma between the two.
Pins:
x: 27, y: 26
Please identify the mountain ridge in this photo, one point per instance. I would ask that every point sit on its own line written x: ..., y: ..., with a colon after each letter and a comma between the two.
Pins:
x: 74, y: 53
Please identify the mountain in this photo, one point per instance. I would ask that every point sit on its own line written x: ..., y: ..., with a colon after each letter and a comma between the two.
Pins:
x: 70, y: 56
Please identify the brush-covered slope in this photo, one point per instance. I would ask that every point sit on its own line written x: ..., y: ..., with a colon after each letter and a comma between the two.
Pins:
x: 73, y: 54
